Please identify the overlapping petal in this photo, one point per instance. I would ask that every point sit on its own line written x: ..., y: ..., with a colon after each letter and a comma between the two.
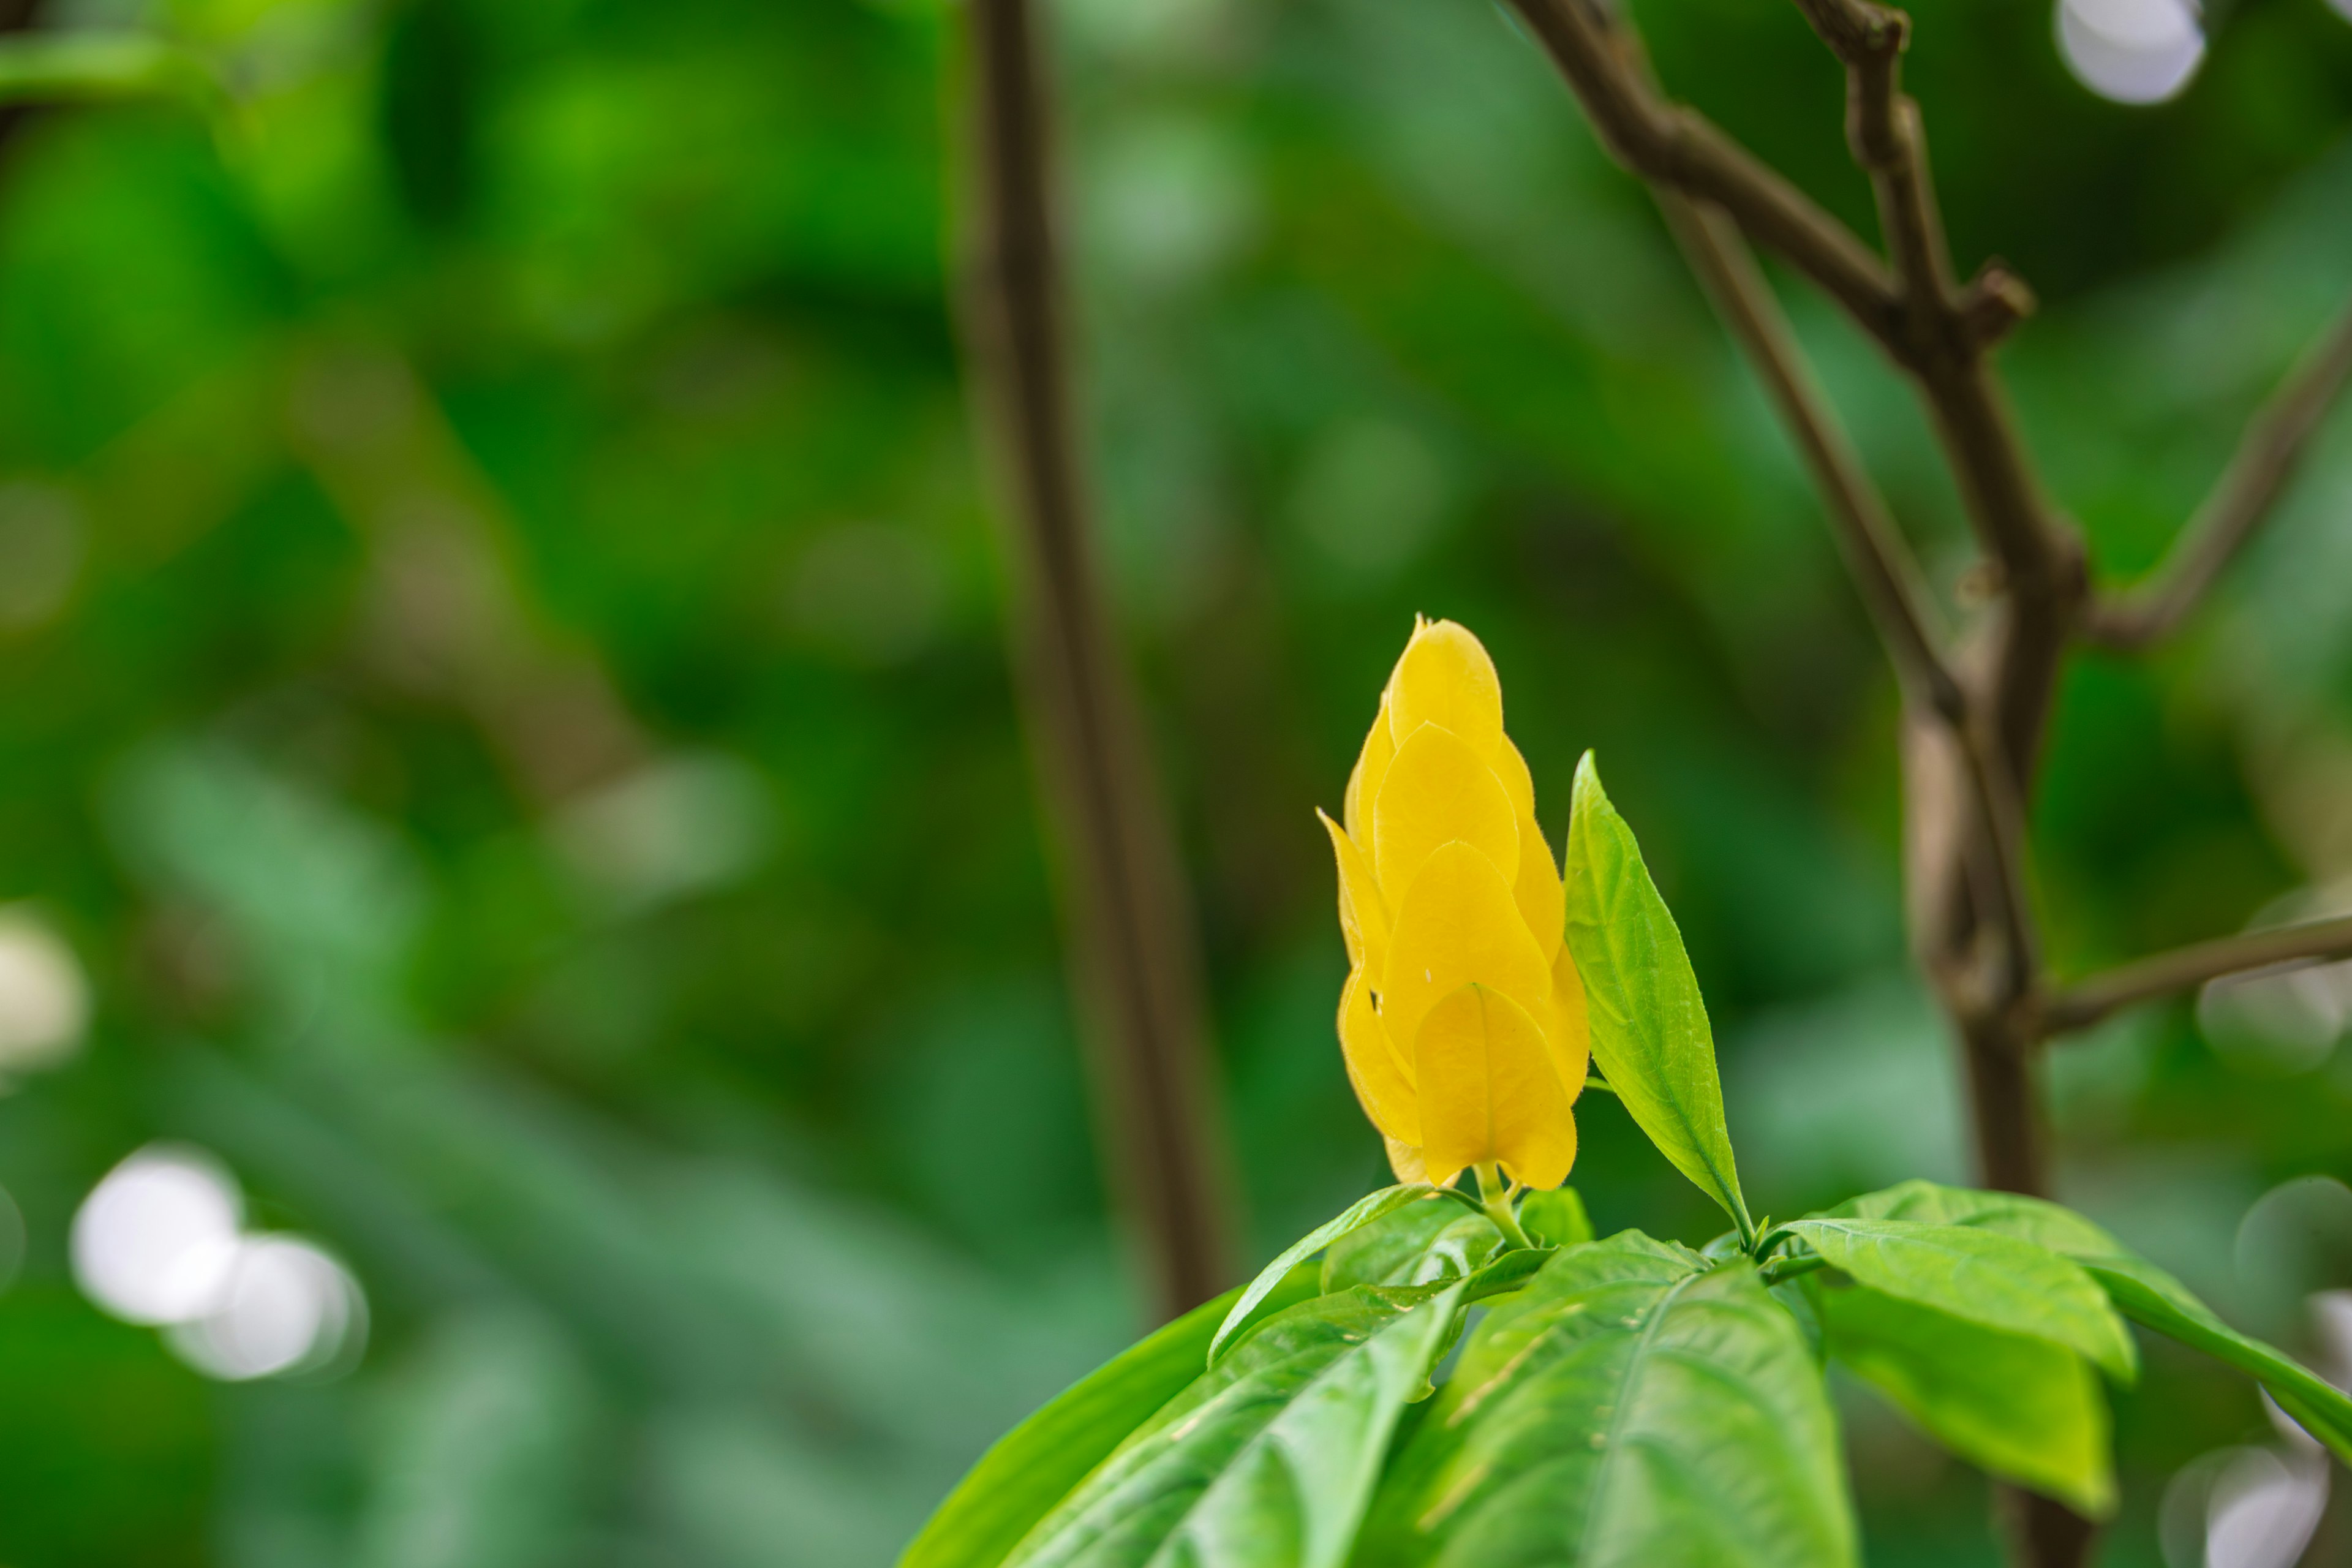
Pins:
x: 1363, y: 913
x: 1567, y: 1032
x: 1364, y: 782
x: 1517, y: 782
x: 1383, y: 1085
x: 1541, y: 896
x: 1462, y: 1022
x: 1488, y: 1091
x: 1445, y: 678
x: 1457, y: 924
x: 1438, y: 791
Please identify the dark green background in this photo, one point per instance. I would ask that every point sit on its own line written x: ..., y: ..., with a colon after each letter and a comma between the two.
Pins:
x: 526, y: 754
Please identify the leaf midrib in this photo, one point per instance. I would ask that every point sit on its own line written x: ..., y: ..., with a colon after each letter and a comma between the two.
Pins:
x: 1627, y: 1388
x: 1258, y: 1438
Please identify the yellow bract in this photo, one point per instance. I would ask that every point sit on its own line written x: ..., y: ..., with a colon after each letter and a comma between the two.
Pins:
x: 1463, y: 1021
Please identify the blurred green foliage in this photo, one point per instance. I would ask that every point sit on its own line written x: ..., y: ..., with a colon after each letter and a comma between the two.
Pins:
x: 501, y: 686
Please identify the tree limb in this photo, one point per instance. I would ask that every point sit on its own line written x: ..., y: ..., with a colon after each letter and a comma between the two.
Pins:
x: 2184, y: 969
x: 2266, y: 459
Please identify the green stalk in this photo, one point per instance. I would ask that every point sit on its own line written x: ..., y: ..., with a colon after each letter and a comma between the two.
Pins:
x: 1496, y: 1200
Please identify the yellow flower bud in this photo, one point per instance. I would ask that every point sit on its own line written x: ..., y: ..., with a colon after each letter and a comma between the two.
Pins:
x: 1463, y: 1020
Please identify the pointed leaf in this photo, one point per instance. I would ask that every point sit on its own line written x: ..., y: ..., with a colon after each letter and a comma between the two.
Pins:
x: 2156, y: 1299
x: 1649, y: 1025
x: 1269, y: 1459
x: 2144, y: 1293
x: 1031, y: 1467
x: 1360, y: 1213
x: 2023, y: 1408
x: 1982, y: 1277
x: 2036, y: 1220
x: 1632, y: 1408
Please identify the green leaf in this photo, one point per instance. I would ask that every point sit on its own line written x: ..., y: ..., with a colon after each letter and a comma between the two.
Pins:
x: 2036, y: 1220
x: 2025, y: 1409
x: 2152, y: 1297
x: 1268, y: 1458
x: 1556, y: 1218
x: 1981, y: 1275
x: 1360, y: 1213
x: 2144, y: 1293
x: 1650, y: 1032
x: 1420, y: 1243
x: 1632, y: 1408
x: 1031, y: 1467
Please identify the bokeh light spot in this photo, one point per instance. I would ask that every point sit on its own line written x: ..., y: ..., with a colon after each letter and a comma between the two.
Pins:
x: 286, y: 1307
x: 156, y: 1239
x: 44, y: 1000
x: 2132, y: 51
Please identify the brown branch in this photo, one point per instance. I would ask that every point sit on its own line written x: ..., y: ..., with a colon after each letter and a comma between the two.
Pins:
x: 2185, y: 969
x: 2001, y: 816
x: 1943, y: 336
x: 1674, y: 146
x: 2267, y: 458
x: 1124, y: 903
x: 1882, y: 565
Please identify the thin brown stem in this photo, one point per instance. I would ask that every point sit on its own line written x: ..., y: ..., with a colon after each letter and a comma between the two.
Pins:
x: 1884, y: 570
x: 1674, y: 146
x: 1944, y: 333
x: 1882, y: 565
x: 1124, y: 903
x: 2184, y: 969
x: 2267, y: 458
x: 2001, y: 819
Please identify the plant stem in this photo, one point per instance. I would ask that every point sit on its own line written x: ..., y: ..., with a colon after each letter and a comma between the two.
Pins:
x: 1781, y: 1269
x: 1497, y: 1201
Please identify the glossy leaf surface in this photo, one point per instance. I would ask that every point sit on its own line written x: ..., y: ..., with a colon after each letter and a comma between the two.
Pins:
x: 1980, y: 1276
x: 1269, y: 1459
x: 1649, y: 1025
x: 1360, y: 1213
x: 1631, y: 1405
x: 2023, y: 1408
x: 2142, y: 1291
x: 1031, y: 1467
x: 2156, y: 1299
x: 1420, y: 1243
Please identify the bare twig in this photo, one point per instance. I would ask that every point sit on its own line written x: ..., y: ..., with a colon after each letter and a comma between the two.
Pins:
x: 2185, y: 969
x: 1674, y: 146
x: 1874, y: 551
x: 1878, y: 556
x: 2002, y: 815
x: 2266, y: 459
x: 1125, y: 907
x: 1882, y: 565
x: 1943, y: 334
